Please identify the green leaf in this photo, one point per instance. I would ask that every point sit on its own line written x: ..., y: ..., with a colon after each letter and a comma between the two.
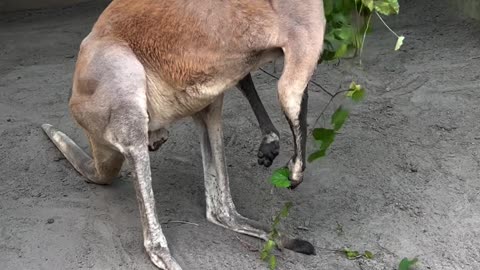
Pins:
x: 264, y: 254
x: 341, y: 51
x: 399, y: 43
x: 344, y: 33
x: 274, y: 234
x: 351, y: 254
x: 338, y: 5
x: 273, y: 262
x: 339, y: 19
x: 387, y: 7
x: 358, y: 95
x: 328, y: 7
x: 286, y: 209
x: 280, y: 178
x: 323, y: 134
x: 338, y: 118
x: 269, y: 245
x: 368, y: 254
x: 368, y: 4
x: 267, y: 249
x: 316, y: 155
x: 356, y: 92
x: 407, y: 264
x: 324, y: 138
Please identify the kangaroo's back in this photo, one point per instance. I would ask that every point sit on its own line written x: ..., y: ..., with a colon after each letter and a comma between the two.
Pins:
x: 187, y: 41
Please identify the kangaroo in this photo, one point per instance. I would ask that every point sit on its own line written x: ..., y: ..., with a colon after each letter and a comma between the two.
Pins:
x: 148, y: 63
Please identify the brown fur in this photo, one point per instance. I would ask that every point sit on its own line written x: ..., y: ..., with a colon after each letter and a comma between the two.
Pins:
x: 185, y: 42
x: 148, y: 63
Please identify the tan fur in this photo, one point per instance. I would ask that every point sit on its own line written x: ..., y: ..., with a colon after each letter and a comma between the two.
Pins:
x: 189, y: 53
x: 149, y: 63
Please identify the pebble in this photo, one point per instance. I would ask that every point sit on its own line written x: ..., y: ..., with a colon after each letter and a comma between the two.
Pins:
x: 50, y: 220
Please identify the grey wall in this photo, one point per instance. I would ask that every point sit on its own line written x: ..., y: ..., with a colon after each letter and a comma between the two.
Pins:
x: 470, y: 8
x: 13, y: 5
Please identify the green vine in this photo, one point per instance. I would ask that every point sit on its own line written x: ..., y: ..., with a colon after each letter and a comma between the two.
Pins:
x: 348, y: 23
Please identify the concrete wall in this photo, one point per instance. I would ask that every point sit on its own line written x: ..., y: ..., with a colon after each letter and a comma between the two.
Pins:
x: 14, y: 5
x: 470, y: 8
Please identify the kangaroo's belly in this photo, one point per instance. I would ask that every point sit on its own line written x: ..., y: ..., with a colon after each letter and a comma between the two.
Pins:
x: 168, y: 102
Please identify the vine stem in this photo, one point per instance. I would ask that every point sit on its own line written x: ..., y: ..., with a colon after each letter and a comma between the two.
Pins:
x: 326, y: 106
x: 312, y: 82
x: 364, y: 36
x: 332, y: 96
x: 357, y: 29
x: 386, y: 25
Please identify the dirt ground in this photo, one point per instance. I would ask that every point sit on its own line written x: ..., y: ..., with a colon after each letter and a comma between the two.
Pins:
x: 402, y: 180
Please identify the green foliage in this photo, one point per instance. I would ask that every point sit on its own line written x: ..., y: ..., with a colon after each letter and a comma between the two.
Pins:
x: 386, y: 7
x: 324, y: 137
x: 353, y: 254
x: 399, y: 43
x: 407, y: 264
x: 368, y: 254
x: 356, y: 92
x: 348, y: 21
x: 280, y: 178
x: 266, y: 254
x: 339, y: 117
x: 267, y: 250
x: 272, y: 263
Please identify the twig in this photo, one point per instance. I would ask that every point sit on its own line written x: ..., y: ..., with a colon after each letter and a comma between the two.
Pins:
x: 303, y: 228
x: 247, y: 245
x: 321, y: 87
x: 384, y: 23
x: 180, y: 221
x: 332, y: 96
x: 270, y: 74
x: 326, y: 106
x: 364, y: 36
x: 312, y: 82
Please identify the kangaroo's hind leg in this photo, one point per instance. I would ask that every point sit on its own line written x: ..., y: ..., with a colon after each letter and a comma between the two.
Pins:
x: 270, y: 145
x: 220, y: 207
x: 109, y: 101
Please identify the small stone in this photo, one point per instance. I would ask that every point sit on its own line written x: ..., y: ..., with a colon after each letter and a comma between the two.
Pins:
x: 50, y: 220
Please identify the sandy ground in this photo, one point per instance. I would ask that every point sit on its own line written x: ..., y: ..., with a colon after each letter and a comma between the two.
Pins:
x: 402, y: 180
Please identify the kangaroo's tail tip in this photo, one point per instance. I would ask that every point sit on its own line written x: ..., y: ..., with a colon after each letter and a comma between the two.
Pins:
x: 300, y: 246
x: 46, y: 127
